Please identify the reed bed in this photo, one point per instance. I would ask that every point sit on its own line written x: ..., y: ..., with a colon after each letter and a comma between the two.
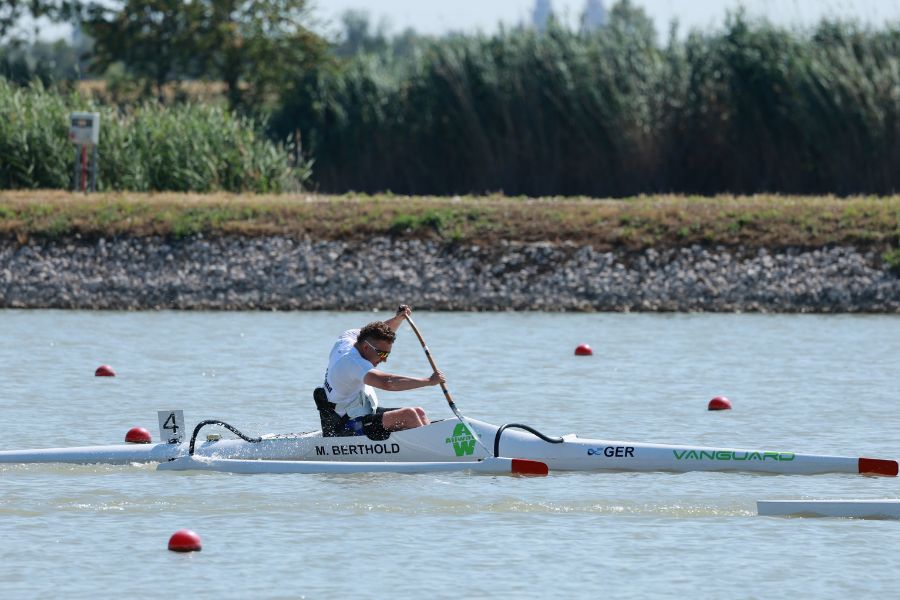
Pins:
x: 753, y: 108
x: 749, y: 109
x: 196, y: 148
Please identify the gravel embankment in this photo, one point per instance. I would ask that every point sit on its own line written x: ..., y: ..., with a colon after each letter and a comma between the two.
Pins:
x: 287, y: 274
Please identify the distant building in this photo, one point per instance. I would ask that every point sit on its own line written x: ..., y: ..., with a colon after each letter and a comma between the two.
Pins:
x: 541, y: 14
x: 594, y: 16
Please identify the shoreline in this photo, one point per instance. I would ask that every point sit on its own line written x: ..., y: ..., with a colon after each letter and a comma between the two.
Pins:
x: 286, y: 273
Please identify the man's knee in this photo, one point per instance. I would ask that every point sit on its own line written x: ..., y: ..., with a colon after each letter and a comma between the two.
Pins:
x: 420, y: 414
x: 409, y: 415
x: 402, y: 418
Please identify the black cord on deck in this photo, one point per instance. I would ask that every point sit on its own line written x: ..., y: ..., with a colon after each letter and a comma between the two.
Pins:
x: 546, y: 438
x: 203, y: 424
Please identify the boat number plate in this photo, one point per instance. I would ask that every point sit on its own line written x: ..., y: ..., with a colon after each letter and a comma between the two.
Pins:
x: 171, y: 426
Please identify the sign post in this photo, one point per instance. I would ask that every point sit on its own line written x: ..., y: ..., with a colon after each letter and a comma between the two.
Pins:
x: 84, y: 133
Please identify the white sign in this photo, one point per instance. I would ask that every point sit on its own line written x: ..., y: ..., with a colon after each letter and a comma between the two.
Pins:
x: 171, y: 426
x: 84, y: 128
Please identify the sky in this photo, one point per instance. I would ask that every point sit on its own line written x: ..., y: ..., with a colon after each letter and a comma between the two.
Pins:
x: 437, y: 17
x: 441, y: 16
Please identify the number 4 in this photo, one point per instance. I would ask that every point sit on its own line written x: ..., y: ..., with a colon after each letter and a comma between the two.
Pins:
x: 171, y: 426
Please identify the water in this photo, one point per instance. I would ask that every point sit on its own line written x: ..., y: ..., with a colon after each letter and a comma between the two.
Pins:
x: 816, y: 384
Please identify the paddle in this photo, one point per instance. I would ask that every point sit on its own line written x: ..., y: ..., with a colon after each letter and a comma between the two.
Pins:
x: 455, y: 410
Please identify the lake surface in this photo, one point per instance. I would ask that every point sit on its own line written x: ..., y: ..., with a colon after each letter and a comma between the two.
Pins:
x: 812, y: 384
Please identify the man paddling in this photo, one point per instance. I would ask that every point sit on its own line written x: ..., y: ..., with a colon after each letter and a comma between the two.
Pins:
x: 347, y: 402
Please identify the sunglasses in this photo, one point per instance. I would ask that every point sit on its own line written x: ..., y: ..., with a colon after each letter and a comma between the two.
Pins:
x: 382, y: 354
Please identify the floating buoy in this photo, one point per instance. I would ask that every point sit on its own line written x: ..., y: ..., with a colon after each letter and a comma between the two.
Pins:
x: 104, y: 371
x: 185, y: 540
x: 583, y: 350
x: 720, y: 403
x: 138, y: 435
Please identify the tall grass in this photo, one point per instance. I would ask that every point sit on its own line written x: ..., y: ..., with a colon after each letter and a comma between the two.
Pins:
x: 34, y: 146
x: 180, y: 148
x: 752, y: 108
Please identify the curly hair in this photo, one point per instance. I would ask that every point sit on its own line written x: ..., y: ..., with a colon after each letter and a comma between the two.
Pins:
x: 377, y: 330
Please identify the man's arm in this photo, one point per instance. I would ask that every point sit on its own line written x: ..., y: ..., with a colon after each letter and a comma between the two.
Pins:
x: 397, y: 320
x: 399, y: 383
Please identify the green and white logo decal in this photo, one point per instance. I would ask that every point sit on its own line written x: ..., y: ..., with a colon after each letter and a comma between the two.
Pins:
x: 462, y: 439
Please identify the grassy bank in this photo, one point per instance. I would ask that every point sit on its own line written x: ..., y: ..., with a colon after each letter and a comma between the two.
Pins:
x: 658, y: 221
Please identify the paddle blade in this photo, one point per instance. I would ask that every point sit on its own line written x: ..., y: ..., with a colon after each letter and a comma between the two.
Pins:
x: 523, y: 466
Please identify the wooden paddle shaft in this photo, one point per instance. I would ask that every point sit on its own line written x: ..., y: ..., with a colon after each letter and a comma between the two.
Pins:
x: 430, y: 360
x: 455, y: 410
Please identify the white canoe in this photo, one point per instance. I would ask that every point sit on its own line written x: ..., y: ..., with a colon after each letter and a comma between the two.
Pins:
x: 451, y: 441
x: 495, y: 466
x: 861, y: 509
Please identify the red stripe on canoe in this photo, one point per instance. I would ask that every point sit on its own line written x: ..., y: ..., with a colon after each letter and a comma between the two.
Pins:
x: 523, y: 466
x: 878, y: 466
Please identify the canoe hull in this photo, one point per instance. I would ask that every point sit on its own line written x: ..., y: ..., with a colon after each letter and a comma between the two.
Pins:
x: 492, y: 466
x: 451, y: 441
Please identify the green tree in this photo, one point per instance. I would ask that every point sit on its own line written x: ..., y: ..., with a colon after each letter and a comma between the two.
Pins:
x: 255, y: 47
x: 153, y: 38
x: 359, y: 36
x: 12, y: 12
x: 50, y: 62
x: 250, y: 45
x: 627, y: 19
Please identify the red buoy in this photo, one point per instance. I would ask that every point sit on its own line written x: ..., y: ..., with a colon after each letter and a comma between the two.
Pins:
x: 185, y: 540
x: 583, y: 350
x: 104, y: 371
x: 720, y: 403
x: 138, y: 435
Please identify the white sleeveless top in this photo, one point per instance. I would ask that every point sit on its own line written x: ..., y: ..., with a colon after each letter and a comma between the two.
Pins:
x: 344, y: 378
